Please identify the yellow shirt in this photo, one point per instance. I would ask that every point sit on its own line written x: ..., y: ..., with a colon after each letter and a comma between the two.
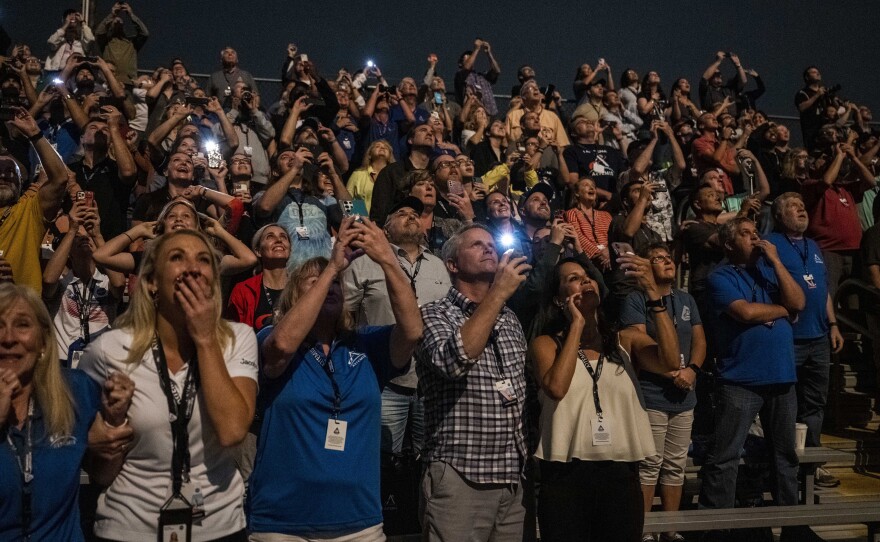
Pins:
x: 360, y: 185
x: 548, y: 119
x: 20, y: 237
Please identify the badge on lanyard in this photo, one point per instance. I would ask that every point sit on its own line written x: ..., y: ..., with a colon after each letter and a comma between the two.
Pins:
x: 808, y: 278
x: 302, y: 233
x: 175, y: 520
x: 508, y: 397
x: 336, y: 431
x: 601, y: 429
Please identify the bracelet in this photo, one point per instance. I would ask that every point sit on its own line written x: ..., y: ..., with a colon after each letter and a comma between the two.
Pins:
x: 202, y: 193
x: 123, y: 424
x: 129, y: 237
x: 832, y: 324
x: 658, y: 310
x: 36, y: 137
x: 695, y: 368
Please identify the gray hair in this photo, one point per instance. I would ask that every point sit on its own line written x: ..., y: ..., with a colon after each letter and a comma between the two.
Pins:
x: 727, y: 232
x: 780, y: 201
x: 451, y: 246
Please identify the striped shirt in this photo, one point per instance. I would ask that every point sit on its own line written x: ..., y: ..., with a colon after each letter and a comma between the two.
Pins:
x: 466, y: 422
x: 592, y: 229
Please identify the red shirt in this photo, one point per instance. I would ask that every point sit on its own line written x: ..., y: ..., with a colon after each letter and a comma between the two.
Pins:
x: 592, y: 229
x: 834, y: 215
x: 703, y: 152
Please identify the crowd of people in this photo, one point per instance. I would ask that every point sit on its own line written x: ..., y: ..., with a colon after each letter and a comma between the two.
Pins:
x: 550, y: 305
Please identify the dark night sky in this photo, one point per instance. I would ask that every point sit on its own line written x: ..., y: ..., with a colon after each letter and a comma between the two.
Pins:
x: 778, y: 38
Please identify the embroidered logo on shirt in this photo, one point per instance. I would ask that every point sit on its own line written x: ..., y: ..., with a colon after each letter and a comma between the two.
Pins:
x: 686, y: 314
x: 354, y: 358
x: 59, y: 441
x: 817, y: 259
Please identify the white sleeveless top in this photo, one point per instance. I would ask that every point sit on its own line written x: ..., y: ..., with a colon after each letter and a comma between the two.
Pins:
x: 566, y: 432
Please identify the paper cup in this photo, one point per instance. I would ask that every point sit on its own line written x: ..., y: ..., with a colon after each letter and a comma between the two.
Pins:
x: 800, y: 436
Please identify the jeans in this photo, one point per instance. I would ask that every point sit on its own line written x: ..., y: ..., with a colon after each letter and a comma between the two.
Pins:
x: 736, y: 407
x: 813, y: 360
x: 398, y: 407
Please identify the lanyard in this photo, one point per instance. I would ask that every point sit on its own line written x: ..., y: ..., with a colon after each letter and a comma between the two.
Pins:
x: 84, y: 308
x: 415, y: 273
x: 595, y: 376
x: 592, y: 224
x: 805, y: 254
x: 329, y: 369
x: 299, y: 205
x: 493, y: 338
x: 5, y: 215
x: 268, y: 297
x: 26, y: 467
x: 754, y: 284
x: 180, y: 410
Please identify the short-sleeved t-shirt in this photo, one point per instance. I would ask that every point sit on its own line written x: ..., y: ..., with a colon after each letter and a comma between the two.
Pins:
x: 803, y: 260
x: 600, y: 162
x: 834, y: 214
x: 111, y: 193
x: 750, y: 354
x: 56, y: 468
x: 21, y: 233
x: 342, y: 486
x: 129, y: 508
x: 659, y: 392
x: 701, y: 258
x: 69, y: 302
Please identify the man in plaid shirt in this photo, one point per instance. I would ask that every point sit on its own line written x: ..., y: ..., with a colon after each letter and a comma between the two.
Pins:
x: 471, y: 368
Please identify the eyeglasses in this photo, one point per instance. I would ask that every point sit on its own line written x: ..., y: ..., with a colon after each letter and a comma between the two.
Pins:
x: 531, y: 144
x: 447, y: 165
x: 661, y: 259
x: 467, y: 162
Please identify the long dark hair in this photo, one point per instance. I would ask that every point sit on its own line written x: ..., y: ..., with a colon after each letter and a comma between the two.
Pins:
x: 551, y: 319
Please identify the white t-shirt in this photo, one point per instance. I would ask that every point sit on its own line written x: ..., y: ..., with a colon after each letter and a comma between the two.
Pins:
x: 129, y: 508
x: 65, y: 308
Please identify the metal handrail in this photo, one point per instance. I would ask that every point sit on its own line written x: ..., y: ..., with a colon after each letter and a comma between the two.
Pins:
x: 855, y: 319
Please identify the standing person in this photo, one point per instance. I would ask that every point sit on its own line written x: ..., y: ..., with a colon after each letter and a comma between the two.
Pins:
x: 253, y: 301
x: 118, y: 47
x: 755, y: 368
x: 816, y: 333
x: 222, y: 82
x: 471, y: 368
x: 368, y: 297
x: 74, y: 37
x: 47, y: 415
x: 669, y: 398
x: 592, y: 224
x: 594, y: 429
x: 479, y: 83
x: 187, y: 361
x: 322, y: 384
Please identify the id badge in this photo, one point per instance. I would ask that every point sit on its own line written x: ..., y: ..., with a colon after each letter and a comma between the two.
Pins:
x: 193, y: 494
x: 74, y: 358
x: 808, y: 278
x: 175, y: 521
x: 248, y: 150
x: 336, y: 432
x: 508, y: 397
x: 302, y: 233
x: 601, y: 430
x: 227, y: 91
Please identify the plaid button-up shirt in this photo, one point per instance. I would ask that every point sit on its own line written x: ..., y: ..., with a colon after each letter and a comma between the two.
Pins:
x: 466, y: 422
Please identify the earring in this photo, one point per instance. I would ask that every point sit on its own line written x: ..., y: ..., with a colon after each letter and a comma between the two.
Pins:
x: 154, y: 295
x: 558, y: 303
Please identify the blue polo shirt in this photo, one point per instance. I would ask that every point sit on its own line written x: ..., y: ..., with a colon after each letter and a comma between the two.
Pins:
x: 750, y: 354
x: 56, y: 467
x: 659, y: 392
x: 298, y: 487
x: 803, y: 259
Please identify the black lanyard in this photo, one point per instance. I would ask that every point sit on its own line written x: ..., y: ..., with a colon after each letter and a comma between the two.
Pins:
x: 592, y: 224
x: 299, y: 205
x: 26, y: 466
x: 805, y: 254
x: 329, y: 369
x: 754, y: 284
x: 268, y: 297
x: 415, y: 273
x: 84, y: 308
x: 595, y: 376
x: 180, y: 410
x: 493, y: 338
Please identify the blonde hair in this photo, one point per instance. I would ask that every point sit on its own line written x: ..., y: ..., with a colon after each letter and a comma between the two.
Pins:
x: 52, y: 392
x: 368, y: 156
x: 291, y: 293
x: 140, y: 318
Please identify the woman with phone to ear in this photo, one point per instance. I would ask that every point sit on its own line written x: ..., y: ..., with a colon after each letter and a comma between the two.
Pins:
x: 593, y: 426
x: 322, y: 380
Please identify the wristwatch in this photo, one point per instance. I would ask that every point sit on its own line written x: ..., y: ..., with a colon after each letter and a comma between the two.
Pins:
x: 695, y: 368
x: 656, y: 303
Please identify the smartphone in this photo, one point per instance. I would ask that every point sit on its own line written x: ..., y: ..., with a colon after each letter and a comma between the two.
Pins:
x: 621, y: 248
x: 350, y: 209
x: 521, y: 149
x: 438, y: 97
x: 315, y: 101
x: 89, y: 198
x: 90, y: 59
x: 214, y: 158
x: 455, y: 187
x: 80, y: 195
x: 392, y: 89
x: 111, y: 101
x: 559, y: 214
x: 660, y: 188
x: 548, y: 94
x: 196, y: 102
x: 241, y: 187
